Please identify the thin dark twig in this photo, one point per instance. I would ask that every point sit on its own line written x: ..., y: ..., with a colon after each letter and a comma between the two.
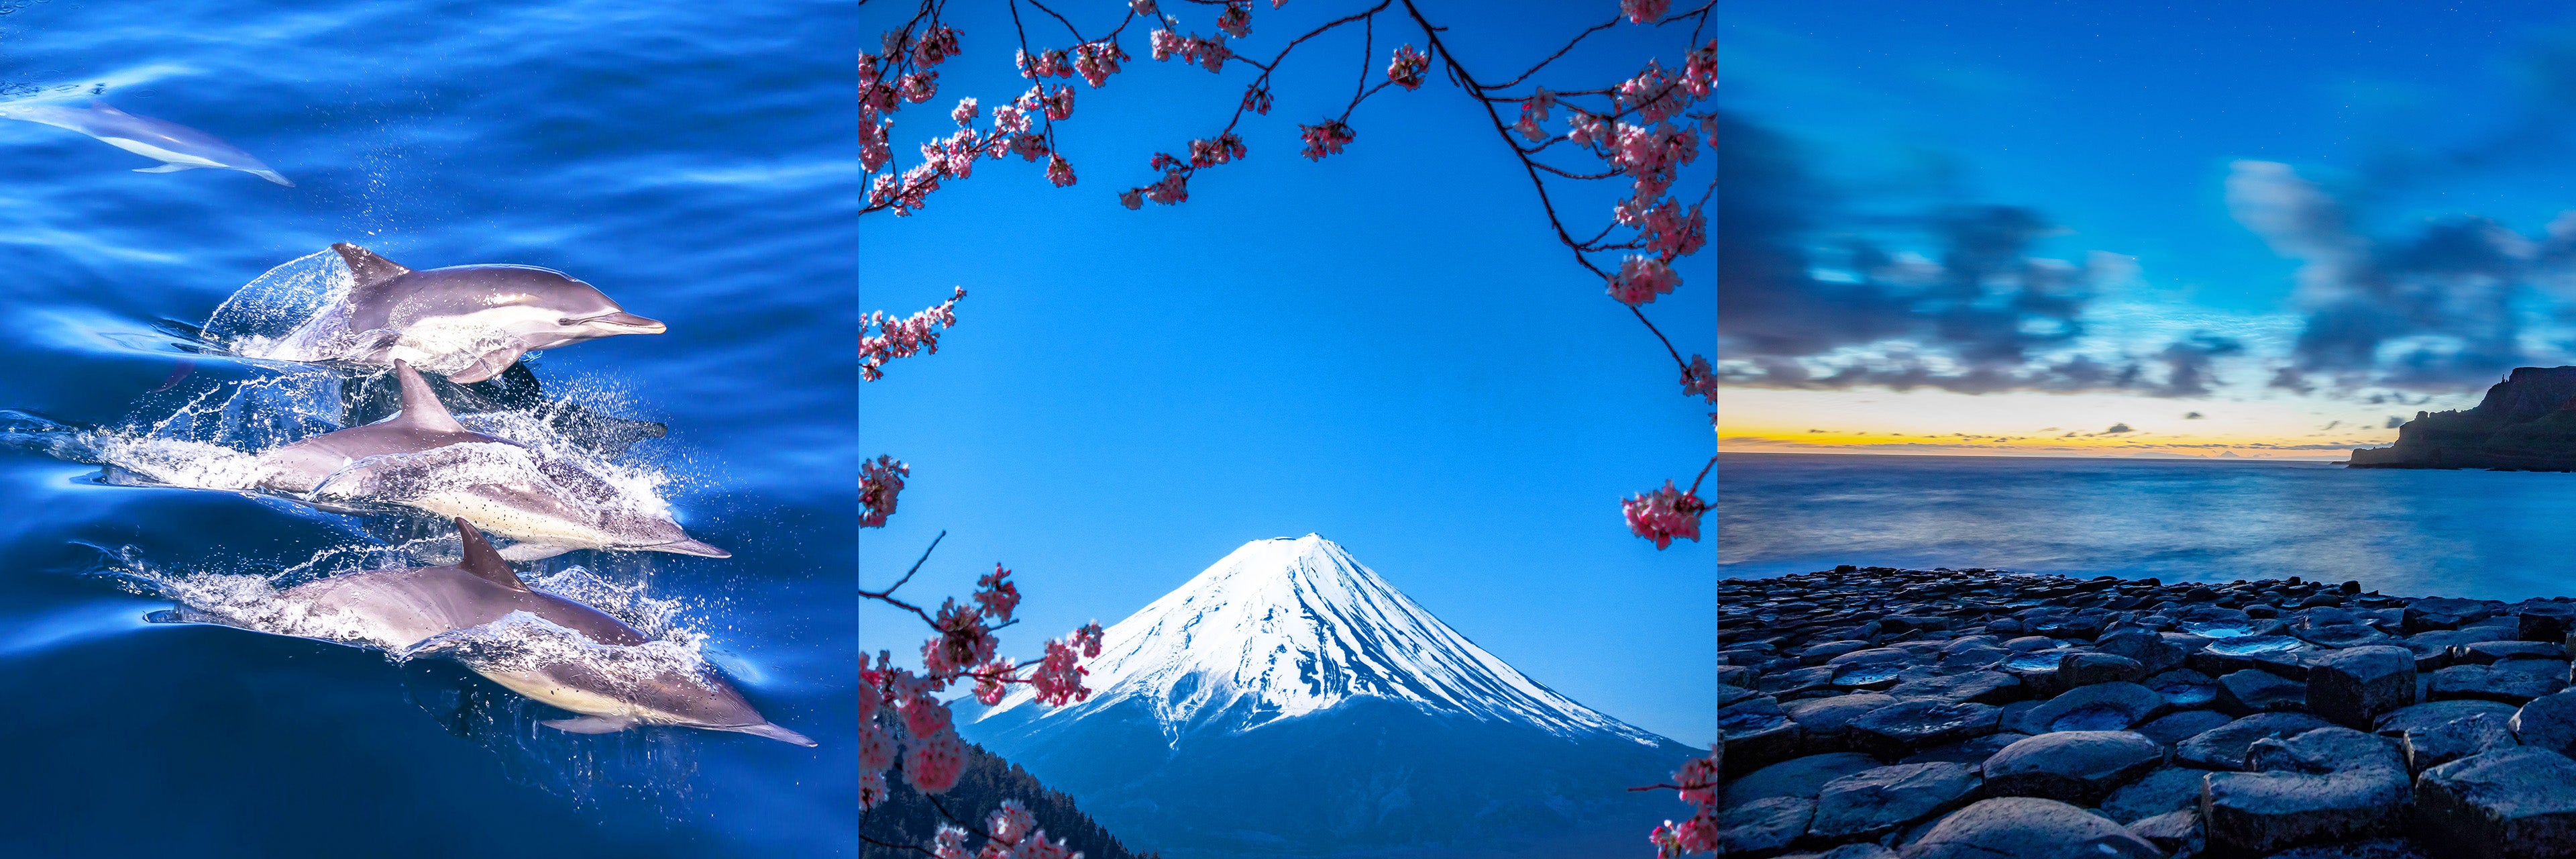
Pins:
x: 1560, y: 52
x: 907, y: 574
x: 1703, y: 474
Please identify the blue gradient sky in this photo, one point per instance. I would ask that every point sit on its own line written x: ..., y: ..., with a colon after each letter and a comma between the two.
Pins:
x: 1388, y: 348
x: 2121, y: 124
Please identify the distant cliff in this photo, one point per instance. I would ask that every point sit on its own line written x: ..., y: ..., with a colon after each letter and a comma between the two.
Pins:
x: 2526, y: 423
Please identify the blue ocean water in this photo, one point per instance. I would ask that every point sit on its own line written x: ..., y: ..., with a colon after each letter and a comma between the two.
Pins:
x: 695, y: 162
x: 2479, y: 534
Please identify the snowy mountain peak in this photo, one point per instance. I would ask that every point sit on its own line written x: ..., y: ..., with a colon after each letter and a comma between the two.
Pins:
x: 1286, y: 627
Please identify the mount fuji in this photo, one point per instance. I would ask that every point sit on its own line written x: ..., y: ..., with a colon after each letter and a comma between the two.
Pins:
x: 1287, y: 702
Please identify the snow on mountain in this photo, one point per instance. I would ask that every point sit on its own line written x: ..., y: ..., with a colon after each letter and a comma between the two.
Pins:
x: 1286, y: 627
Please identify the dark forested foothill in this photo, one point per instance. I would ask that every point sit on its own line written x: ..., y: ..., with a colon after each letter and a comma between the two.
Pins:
x: 909, y: 818
x: 1982, y: 713
x: 2526, y: 423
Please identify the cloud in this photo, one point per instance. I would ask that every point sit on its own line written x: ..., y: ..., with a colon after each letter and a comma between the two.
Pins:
x: 2394, y: 422
x: 2117, y: 429
x: 2435, y: 311
x: 2192, y: 416
x: 1811, y: 299
x: 2330, y: 425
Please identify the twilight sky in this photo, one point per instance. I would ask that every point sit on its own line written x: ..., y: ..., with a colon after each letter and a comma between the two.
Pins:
x: 2253, y: 230
x: 1387, y: 347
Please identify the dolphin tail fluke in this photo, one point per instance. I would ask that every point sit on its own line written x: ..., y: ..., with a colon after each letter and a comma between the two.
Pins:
x: 272, y: 175
x: 167, y: 168
x: 775, y: 732
x: 691, y: 547
x: 420, y: 405
x: 590, y: 725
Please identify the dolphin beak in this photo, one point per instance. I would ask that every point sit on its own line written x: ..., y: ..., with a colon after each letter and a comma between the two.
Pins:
x: 689, y: 547
x: 775, y: 732
x: 627, y: 323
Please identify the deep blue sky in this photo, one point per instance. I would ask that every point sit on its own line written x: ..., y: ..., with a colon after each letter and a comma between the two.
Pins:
x: 1387, y: 348
x: 2121, y: 125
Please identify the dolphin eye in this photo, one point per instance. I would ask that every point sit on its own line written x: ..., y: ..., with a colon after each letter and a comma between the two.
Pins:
x: 568, y: 322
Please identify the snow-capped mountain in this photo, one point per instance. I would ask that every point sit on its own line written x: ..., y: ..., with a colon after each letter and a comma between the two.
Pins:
x: 1288, y: 701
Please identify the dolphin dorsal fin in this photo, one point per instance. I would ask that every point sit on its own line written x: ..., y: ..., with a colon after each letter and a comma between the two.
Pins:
x: 484, y: 561
x: 420, y: 406
x: 369, y: 268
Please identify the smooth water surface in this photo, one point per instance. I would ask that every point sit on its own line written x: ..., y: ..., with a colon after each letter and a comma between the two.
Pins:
x: 2481, y: 534
x: 694, y: 162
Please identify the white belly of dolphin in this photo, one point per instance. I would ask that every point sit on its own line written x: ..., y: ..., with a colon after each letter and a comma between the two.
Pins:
x: 513, y: 522
x: 449, y: 343
x: 159, y: 154
x: 581, y: 701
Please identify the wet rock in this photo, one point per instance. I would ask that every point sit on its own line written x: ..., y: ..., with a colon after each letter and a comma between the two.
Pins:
x: 1818, y: 654
x: 2476, y: 734
x: 1758, y: 734
x: 1871, y: 804
x: 2028, y: 828
x: 2367, y: 848
x: 2544, y: 621
x: 2513, y: 681
x: 1727, y: 694
x: 2174, y: 728
x: 2433, y: 713
x: 2085, y: 669
x: 2491, y: 652
x: 2224, y: 747
x: 2548, y: 722
x: 1873, y: 676
x: 2080, y: 767
x: 2354, y: 687
x: 1981, y: 687
x: 1970, y: 751
x: 1763, y: 827
x: 2175, y: 832
x: 2225, y: 656
x: 2433, y: 613
x: 2100, y: 707
x: 2328, y: 784
x: 2032, y: 644
x: 1897, y: 729
x: 2153, y: 653
x: 2433, y: 650
x: 1823, y: 719
x: 2155, y: 793
x: 2247, y: 692
x: 2185, y: 688
x: 1870, y: 656
x: 2517, y: 802
x: 1797, y: 777
x: 1796, y: 681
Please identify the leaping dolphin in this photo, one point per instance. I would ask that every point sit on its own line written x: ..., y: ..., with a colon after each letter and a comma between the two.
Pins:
x: 486, y: 314
x: 398, y: 459
x: 177, y: 146
x: 399, y: 609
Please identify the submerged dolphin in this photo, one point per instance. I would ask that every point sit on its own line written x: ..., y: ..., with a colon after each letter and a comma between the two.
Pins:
x: 537, y: 515
x: 400, y: 609
x: 177, y: 146
x: 490, y: 313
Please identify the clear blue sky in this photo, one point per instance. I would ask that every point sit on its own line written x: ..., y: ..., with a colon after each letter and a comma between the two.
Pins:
x: 1387, y: 348
x: 2122, y: 125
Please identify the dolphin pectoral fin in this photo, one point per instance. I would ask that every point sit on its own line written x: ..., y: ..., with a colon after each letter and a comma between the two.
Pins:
x: 590, y: 725
x: 490, y: 364
x: 167, y: 168
x: 775, y: 732
x: 689, y: 547
x: 271, y: 175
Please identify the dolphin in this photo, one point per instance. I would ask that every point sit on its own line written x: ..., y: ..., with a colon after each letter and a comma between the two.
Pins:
x: 388, y: 456
x: 400, y: 609
x: 491, y: 313
x: 177, y: 146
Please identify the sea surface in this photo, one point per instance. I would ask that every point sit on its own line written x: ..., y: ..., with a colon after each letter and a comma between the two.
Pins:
x: 2478, y: 534
x: 694, y: 161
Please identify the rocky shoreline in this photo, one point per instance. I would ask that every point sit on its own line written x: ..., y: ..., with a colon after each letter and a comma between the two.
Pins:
x: 1949, y: 714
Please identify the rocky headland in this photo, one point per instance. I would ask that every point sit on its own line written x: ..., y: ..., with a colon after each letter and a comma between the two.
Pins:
x: 1949, y: 714
x: 2526, y: 423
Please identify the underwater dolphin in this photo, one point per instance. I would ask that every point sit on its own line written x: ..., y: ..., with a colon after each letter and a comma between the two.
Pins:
x: 177, y: 146
x: 495, y: 313
x: 402, y: 608
x: 539, y: 517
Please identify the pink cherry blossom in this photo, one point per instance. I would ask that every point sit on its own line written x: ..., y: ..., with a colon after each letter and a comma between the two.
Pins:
x: 935, y: 47
x: 1208, y: 153
x: 919, y: 87
x: 964, y: 641
x: 933, y: 763
x: 1011, y: 823
x: 914, y: 335
x: 1173, y: 189
x: 996, y: 594
x: 1699, y: 70
x: 880, y: 483
x: 1534, y: 110
x: 989, y: 678
x: 1586, y: 129
x: 1058, y: 678
x: 872, y: 789
x: 876, y: 748
x: 1644, y: 11
x: 1698, y: 380
x: 1325, y: 139
x: 924, y: 715
x: 1651, y: 95
x: 1058, y: 103
x: 1640, y: 279
x: 1144, y: 7
x: 1405, y: 70
x: 874, y: 150
x: 965, y: 113
x: 1038, y: 847
x: 1664, y: 514
x: 1256, y: 98
x: 1132, y: 198
x: 950, y: 842
x: 1236, y: 20
x: 1059, y: 171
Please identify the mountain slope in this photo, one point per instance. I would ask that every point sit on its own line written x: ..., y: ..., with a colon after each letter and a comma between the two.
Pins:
x: 1289, y: 702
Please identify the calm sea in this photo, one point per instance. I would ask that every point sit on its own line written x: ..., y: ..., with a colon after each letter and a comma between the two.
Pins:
x: 695, y: 161
x: 2488, y: 535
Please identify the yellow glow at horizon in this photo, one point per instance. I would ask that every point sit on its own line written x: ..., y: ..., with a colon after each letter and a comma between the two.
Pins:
x: 2023, y: 423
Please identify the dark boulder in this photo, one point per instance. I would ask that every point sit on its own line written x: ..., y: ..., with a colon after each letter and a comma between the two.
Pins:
x: 2329, y: 784
x: 2223, y: 747
x: 1895, y: 730
x: 2516, y: 802
x: 2354, y: 687
x: 2021, y: 827
x: 2080, y: 767
x: 1867, y: 805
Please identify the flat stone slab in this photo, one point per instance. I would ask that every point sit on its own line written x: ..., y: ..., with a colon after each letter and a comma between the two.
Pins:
x: 2354, y: 687
x: 2474, y: 734
x: 2021, y: 827
x: 2175, y: 831
x: 1971, y: 751
x: 1873, y: 803
x: 2513, y: 681
x: 1823, y: 719
x: 1898, y: 729
x: 2432, y: 713
x: 2223, y: 747
x: 1800, y: 777
x: 2175, y: 728
x: 2251, y: 691
x: 2168, y: 789
x: 2099, y: 707
x: 1979, y: 687
x: 2080, y: 767
x: 1764, y: 826
x: 2077, y: 670
x: 2325, y: 785
x: 2517, y: 802
x: 2548, y: 722
x: 2185, y: 688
